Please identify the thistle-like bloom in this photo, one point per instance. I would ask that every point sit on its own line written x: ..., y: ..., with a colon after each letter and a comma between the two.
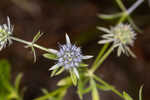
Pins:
x: 5, y: 32
x: 69, y: 56
x: 122, y: 37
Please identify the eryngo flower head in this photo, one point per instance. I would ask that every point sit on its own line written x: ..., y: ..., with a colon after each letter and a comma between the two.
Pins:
x: 5, y: 32
x: 69, y: 56
x: 122, y: 36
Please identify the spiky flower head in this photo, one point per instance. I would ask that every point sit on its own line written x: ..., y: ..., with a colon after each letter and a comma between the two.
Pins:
x: 69, y: 56
x: 5, y: 32
x: 122, y: 36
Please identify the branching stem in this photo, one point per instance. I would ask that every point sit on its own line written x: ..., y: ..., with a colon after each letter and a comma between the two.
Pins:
x: 30, y: 44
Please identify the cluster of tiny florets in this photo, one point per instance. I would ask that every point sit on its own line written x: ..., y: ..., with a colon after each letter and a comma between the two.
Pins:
x: 5, y: 32
x: 123, y: 33
x: 122, y: 36
x: 69, y: 56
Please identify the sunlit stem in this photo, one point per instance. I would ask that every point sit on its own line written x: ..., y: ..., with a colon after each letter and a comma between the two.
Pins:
x: 134, y: 6
x: 30, y: 44
x: 95, y: 66
x: 119, y: 2
x: 101, y: 53
x: 51, y: 94
x: 123, y: 18
x: 129, y: 11
x: 107, y: 85
x: 18, y: 97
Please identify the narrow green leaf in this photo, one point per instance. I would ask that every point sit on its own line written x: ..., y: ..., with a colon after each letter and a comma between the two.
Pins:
x: 17, y: 81
x: 57, y: 71
x: 80, y: 94
x: 103, y: 29
x: 37, y: 36
x: 82, y: 87
x: 60, y: 71
x: 12, y: 95
x: 95, y: 94
x: 34, y: 54
x: 65, y: 81
x: 104, y: 88
x: 140, y: 92
x: 44, y: 91
x: 54, y: 72
x: 54, y: 95
x: 73, y: 77
x: 86, y: 90
x: 127, y: 96
x: 83, y: 65
x: 109, y: 17
x: 62, y: 94
x: 50, y: 56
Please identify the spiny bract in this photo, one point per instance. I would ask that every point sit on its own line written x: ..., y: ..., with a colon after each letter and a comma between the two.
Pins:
x: 5, y: 32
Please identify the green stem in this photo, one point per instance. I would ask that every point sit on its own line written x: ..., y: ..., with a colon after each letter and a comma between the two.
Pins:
x: 126, y: 13
x: 94, y: 67
x: 122, y: 7
x: 123, y: 18
x: 99, y: 61
x: 101, y: 53
x: 30, y: 44
x: 119, y: 2
x: 106, y: 84
x: 18, y: 96
x: 52, y: 94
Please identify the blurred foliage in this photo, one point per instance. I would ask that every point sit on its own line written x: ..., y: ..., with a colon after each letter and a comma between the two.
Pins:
x: 4, y: 78
x: 57, y: 94
x: 7, y: 90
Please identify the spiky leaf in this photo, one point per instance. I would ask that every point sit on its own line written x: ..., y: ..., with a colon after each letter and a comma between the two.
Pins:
x: 50, y: 56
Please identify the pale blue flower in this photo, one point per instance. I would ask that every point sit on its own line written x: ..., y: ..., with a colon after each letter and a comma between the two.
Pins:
x: 69, y: 56
x: 5, y: 31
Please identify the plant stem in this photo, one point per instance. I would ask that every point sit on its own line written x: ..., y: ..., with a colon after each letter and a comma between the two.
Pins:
x: 94, y: 67
x: 52, y: 94
x: 119, y: 2
x: 126, y: 12
x: 107, y: 85
x: 30, y: 44
x: 134, y: 6
x: 99, y: 61
x: 101, y: 53
x: 123, y: 18
x: 94, y: 91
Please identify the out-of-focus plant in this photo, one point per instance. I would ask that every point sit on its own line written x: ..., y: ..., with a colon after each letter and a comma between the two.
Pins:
x: 69, y: 58
x: 7, y: 90
x: 124, y: 14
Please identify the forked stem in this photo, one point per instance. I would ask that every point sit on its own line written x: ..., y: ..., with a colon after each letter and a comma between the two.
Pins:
x: 30, y: 44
